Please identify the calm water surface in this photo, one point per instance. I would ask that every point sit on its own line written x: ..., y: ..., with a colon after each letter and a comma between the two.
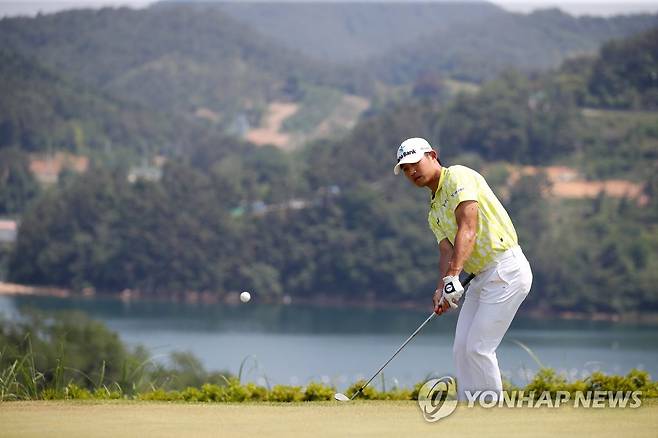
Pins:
x: 295, y: 344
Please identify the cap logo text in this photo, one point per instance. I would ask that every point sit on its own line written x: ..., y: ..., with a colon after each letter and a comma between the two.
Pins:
x: 404, y: 154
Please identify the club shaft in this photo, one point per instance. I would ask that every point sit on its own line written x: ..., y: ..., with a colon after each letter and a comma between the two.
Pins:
x: 429, y: 318
x: 396, y: 353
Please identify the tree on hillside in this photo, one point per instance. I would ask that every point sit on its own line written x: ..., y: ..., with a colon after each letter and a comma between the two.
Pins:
x: 17, y: 184
x: 513, y: 119
x: 626, y: 73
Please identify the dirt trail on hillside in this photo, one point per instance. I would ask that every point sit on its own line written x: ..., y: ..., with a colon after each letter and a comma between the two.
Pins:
x: 567, y: 182
x: 270, y: 131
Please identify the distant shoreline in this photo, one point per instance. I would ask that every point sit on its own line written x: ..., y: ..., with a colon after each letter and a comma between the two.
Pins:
x: 192, y: 297
x: 21, y: 289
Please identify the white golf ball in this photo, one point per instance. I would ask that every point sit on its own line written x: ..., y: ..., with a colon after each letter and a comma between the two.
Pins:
x: 245, y: 297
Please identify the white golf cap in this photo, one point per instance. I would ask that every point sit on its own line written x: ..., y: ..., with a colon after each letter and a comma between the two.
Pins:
x: 411, y: 151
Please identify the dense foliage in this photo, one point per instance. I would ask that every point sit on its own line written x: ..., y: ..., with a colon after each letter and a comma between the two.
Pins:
x: 43, y: 111
x: 626, y: 75
x: 582, y: 251
x: 345, y: 32
x: 481, y: 49
x: 17, y: 184
x: 512, y: 119
x: 329, y: 220
x: 361, y: 243
x: 468, y: 40
x: 173, y: 58
x: 41, y: 355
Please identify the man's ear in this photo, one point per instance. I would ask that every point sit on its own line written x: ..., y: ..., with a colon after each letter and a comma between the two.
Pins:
x: 433, y: 154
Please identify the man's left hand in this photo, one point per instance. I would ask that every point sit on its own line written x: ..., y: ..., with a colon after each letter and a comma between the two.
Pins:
x: 452, y: 290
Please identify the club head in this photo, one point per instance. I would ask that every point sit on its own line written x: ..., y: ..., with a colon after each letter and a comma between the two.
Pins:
x: 341, y: 397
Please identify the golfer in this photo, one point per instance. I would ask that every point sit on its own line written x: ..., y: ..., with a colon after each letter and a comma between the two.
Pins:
x: 475, y: 235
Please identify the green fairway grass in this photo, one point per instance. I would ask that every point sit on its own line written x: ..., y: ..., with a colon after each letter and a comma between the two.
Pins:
x: 330, y: 419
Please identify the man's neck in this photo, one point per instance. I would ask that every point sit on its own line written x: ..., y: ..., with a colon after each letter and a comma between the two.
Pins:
x: 434, y: 182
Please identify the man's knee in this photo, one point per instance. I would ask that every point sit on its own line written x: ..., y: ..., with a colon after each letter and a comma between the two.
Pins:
x: 476, y: 349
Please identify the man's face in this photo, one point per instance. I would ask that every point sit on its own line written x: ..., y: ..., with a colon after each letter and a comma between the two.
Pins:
x: 420, y: 173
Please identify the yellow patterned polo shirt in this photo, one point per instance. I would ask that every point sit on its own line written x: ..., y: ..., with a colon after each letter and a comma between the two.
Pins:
x: 495, y: 231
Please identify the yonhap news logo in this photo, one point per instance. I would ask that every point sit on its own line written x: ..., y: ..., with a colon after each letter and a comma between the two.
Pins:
x: 555, y: 399
x: 437, y: 399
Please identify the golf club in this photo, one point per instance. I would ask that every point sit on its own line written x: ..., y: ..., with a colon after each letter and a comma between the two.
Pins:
x: 342, y: 397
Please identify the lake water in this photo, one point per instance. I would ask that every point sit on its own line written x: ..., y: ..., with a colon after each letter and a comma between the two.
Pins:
x: 296, y: 344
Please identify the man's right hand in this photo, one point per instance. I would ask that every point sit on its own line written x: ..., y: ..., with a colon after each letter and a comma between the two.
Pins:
x: 440, y: 305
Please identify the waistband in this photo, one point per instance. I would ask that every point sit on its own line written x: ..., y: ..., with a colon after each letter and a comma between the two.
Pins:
x: 508, y: 254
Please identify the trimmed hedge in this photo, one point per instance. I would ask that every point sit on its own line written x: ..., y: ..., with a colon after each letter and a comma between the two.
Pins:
x: 234, y: 391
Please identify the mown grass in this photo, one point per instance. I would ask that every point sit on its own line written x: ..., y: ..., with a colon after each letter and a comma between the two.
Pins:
x: 317, y: 419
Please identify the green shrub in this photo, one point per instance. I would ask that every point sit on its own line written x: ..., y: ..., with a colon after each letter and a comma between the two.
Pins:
x: 416, y: 390
x: 317, y: 391
x: 546, y: 379
x: 52, y: 394
x: 160, y: 395
x: 232, y: 390
x: 256, y: 393
x: 578, y: 385
x: 397, y: 394
x: 211, y: 392
x: 105, y: 393
x: 192, y: 394
x: 368, y: 393
x: 284, y: 393
x: 74, y: 392
x: 635, y: 380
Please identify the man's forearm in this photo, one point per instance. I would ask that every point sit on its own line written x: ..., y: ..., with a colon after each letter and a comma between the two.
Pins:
x: 464, y: 243
x: 466, y: 214
x: 444, y: 261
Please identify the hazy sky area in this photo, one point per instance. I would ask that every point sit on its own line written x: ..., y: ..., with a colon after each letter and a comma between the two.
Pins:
x: 574, y: 7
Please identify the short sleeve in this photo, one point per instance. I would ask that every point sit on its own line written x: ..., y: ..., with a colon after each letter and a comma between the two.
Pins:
x: 465, y: 186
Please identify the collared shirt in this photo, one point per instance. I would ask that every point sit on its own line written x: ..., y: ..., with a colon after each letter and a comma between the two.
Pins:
x: 495, y: 231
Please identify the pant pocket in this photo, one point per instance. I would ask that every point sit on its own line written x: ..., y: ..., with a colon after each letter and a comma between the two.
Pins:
x: 508, y: 271
x: 510, y: 277
x: 516, y: 274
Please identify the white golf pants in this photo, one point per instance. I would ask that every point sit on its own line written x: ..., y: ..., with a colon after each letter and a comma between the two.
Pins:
x: 491, y: 302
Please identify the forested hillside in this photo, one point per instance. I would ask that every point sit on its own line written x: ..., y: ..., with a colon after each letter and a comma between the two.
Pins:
x: 481, y: 50
x: 346, y: 32
x: 41, y: 110
x: 625, y: 75
x: 137, y: 80
x: 397, y: 42
x: 332, y: 220
x: 177, y: 59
